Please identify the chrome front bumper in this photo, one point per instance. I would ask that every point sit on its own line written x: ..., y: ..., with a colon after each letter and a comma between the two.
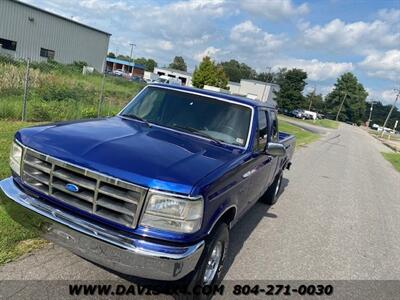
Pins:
x: 107, y: 247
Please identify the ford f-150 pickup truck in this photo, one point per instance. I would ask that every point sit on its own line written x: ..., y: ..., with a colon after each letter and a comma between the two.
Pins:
x: 154, y: 191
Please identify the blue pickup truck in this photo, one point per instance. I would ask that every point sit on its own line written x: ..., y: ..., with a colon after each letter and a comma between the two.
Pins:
x: 154, y: 191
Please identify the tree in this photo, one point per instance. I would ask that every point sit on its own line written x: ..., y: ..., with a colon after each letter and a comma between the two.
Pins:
x: 237, y: 71
x: 265, y: 76
x: 149, y: 64
x: 380, y: 113
x: 178, y: 64
x: 208, y: 73
x: 351, y: 95
x: 124, y: 57
x: 292, y: 83
x: 111, y: 54
x: 315, y: 102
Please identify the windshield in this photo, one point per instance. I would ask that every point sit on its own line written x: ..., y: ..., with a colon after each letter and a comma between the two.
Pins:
x: 223, y: 121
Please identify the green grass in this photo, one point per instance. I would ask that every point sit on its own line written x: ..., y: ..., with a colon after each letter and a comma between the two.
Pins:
x: 303, y: 137
x: 393, y: 158
x: 60, y: 92
x: 386, y: 136
x: 326, y: 123
x: 15, y: 240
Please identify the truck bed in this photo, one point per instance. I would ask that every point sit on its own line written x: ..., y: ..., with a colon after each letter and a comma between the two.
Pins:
x: 289, y: 141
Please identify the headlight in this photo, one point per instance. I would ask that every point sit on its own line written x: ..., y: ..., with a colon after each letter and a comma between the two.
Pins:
x: 173, y: 213
x: 15, y: 158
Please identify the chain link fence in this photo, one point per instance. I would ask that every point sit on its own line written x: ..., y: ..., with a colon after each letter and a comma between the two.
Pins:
x: 49, y: 91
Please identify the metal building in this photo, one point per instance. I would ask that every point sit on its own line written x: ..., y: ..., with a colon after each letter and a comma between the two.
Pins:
x: 27, y: 31
x: 254, y: 89
x: 184, y: 77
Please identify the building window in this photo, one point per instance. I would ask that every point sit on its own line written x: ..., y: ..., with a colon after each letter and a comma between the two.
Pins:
x: 47, y: 53
x: 7, y: 44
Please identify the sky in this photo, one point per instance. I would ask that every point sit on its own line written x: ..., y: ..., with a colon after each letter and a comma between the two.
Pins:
x: 324, y: 37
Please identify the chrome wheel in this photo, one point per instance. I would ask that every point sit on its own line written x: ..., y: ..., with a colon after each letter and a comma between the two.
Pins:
x: 213, y: 264
x: 278, y: 185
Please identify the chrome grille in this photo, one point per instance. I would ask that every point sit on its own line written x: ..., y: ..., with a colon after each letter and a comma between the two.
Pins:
x: 104, y: 196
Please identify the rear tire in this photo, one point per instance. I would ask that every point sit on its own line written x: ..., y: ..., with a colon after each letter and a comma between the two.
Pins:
x: 271, y: 195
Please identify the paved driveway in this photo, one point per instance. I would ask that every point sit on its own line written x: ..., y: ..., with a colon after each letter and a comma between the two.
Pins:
x: 338, y: 218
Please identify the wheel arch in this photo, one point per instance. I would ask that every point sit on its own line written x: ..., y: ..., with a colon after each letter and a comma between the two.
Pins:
x: 227, y: 216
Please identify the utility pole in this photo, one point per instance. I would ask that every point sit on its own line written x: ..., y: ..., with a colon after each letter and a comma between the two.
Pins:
x: 341, y: 105
x: 101, y: 94
x: 101, y: 91
x: 26, y: 85
x: 370, y: 112
x: 390, y: 112
x: 311, y: 98
x: 131, y: 44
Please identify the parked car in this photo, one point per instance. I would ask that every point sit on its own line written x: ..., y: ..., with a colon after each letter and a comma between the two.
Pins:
x: 119, y: 73
x: 138, y: 79
x: 168, y: 80
x: 310, y: 115
x: 302, y: 114
x: 154, y: 191
x: 298, y: 113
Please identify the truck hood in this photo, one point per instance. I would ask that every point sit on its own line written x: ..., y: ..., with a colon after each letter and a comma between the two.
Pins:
x: 130, y: 150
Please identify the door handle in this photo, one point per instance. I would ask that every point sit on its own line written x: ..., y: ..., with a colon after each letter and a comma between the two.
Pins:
x: 249, y: 173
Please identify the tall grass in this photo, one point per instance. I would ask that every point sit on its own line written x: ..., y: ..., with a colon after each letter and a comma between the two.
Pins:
x: 59, y: 92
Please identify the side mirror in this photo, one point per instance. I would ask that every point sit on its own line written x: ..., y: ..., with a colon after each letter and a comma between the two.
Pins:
x: 275, y: 149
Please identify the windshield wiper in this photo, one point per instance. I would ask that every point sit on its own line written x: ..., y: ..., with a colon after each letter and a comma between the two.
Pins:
x: 198, y: 132
x: 135, y: 117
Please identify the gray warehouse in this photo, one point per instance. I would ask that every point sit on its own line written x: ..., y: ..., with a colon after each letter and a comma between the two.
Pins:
x: 27, y: 31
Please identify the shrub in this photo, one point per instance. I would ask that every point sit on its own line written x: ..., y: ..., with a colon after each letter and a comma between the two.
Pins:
x: 7, y: 59
x: 89, y: 112
x: 10, y: 108
x: 39, y: 111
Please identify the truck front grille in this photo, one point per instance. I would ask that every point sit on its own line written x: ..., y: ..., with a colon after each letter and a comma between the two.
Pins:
x: 104, y: 196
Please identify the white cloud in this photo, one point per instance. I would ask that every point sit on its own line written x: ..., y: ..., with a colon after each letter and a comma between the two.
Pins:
x: 385, y: 96
x: 316, y: 70
x: 274, y: 9
x: 103, y: 5
x: 156, y: 27
x: 390, y: 15
x: 384, y: 65
x: 358, y: 37
x: 165, y: 45
x: 210, y: 51
x: 248, y: 36
x: 209, y: 7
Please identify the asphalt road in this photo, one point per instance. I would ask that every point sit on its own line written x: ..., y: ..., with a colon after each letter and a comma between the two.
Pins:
x: 338, y: 217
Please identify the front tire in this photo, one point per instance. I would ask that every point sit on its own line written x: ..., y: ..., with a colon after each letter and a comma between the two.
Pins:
x: 270, y: 196
x: 211, y: 264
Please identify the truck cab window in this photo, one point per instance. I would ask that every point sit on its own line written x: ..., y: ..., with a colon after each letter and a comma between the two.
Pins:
x: 274, y: 127
x: 262, y: 133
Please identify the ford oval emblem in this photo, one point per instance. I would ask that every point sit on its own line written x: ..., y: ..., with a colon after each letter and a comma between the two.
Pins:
x: 72, y: 187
